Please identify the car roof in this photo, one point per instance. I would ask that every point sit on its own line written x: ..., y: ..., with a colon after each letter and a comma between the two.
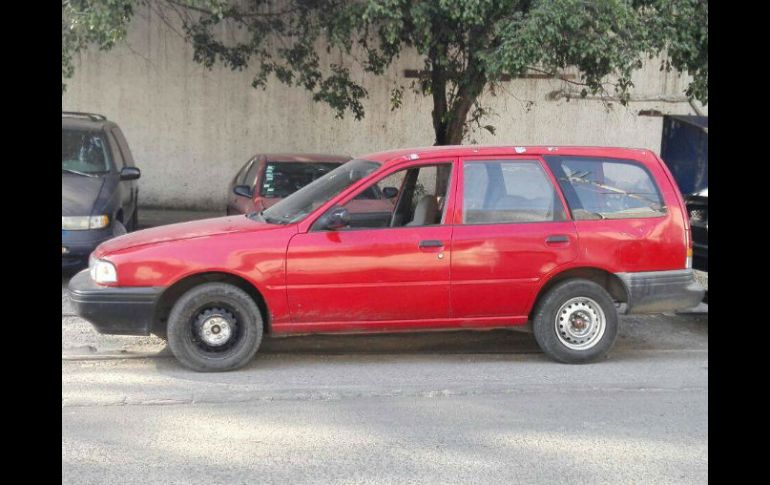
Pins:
x: 395, y: 156
x: 304, y: 157
x: 84, y: 121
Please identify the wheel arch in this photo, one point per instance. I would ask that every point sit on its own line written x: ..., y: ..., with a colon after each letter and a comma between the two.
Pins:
x: 607, y: 280
x: 171, y: 294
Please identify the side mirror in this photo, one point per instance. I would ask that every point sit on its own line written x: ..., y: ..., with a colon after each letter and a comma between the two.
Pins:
x: 337, y: 218
x: 243, y: 191
x: 130, y: 173
x: 389, y: 192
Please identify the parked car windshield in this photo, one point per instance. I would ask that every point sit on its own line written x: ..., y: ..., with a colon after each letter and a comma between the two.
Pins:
x: 84, y: 152
x: 284, y: 178
x: 310, y: 197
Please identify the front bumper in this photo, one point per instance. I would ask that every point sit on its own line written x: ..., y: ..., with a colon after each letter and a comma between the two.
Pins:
x: 661, y: 291
x: 78, y: 245
x: 111, y: 310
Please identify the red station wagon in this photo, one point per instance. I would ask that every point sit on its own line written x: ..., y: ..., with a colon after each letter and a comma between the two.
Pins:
x: 562, y: 238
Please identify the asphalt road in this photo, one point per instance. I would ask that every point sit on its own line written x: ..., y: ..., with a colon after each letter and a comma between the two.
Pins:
x: 459, y: 407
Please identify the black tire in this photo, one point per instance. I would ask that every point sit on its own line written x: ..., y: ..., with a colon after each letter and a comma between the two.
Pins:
x: 545, y: 324
x: 196, y: 307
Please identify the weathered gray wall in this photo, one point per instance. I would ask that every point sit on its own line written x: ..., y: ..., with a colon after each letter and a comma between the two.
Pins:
x: 190, y: 129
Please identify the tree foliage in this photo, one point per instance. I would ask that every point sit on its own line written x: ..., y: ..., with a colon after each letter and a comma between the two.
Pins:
x: 91, y: 22
x: 466, y: 46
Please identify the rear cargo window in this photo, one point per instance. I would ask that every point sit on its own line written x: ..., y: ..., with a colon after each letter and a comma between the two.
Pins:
x: 601, y: 188
x: 505, y: 191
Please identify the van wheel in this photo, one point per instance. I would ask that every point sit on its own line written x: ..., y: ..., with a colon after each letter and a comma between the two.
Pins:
x: 214, y: 327
x: 576, y: 322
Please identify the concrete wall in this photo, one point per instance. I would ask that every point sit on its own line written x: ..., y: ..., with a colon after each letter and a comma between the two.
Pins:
x: 190, y: 129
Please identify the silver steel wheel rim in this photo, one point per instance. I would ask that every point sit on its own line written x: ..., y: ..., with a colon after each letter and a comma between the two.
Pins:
x: 580, y: 323
x: 215, y: 330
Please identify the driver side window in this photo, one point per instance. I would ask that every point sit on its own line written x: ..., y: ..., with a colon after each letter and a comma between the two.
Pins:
x: 414, y: 196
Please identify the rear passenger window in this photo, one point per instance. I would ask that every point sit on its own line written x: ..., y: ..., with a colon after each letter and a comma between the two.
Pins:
x: 607, y: 188
x: 500, y: 191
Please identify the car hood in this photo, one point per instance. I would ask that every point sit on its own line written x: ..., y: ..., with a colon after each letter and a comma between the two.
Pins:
x: 79, y: 193
x: 183, y: 230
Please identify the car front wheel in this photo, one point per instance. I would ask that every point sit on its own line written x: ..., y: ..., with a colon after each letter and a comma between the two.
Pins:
x: 576, y: 322
x: 214, y: 327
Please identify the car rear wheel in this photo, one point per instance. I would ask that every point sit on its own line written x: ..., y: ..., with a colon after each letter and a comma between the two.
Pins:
x: 576, y: 322
x: 214, y: 327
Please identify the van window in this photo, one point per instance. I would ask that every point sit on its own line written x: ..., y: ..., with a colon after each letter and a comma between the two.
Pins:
x: 85, y: 152
x: 128, y: 159
x: 500, y: 191
x: 602, y: 188
x: 116, y: 153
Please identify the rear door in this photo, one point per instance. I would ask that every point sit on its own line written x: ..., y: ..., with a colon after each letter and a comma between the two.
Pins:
x: 511, y: 229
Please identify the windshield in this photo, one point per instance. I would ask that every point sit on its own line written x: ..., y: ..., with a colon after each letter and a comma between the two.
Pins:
x: 84, y: 152
x: 284, y: 178
x: 310, y: 197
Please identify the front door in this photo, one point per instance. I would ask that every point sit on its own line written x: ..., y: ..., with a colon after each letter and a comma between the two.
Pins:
x: 511, y: 230
x: 388, y: 268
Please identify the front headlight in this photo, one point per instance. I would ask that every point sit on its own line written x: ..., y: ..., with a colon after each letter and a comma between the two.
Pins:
x: 103, y: 271
x: 82, y: 223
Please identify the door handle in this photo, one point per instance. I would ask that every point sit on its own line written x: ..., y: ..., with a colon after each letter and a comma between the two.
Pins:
x: 557, y: 238
x: 431, y: 243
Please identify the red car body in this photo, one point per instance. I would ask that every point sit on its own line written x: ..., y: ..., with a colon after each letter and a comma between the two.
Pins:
x: 351, y: 281
x: 383, y: 280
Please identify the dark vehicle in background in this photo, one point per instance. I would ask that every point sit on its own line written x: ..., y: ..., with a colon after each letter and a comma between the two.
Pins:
x: 267, y: 178
x: 98, y: 186
x: 698, y: 207
x: 685, y: 149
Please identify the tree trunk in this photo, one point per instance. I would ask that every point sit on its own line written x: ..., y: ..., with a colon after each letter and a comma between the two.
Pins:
x: 452, y: 129
x: 438, y: 90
